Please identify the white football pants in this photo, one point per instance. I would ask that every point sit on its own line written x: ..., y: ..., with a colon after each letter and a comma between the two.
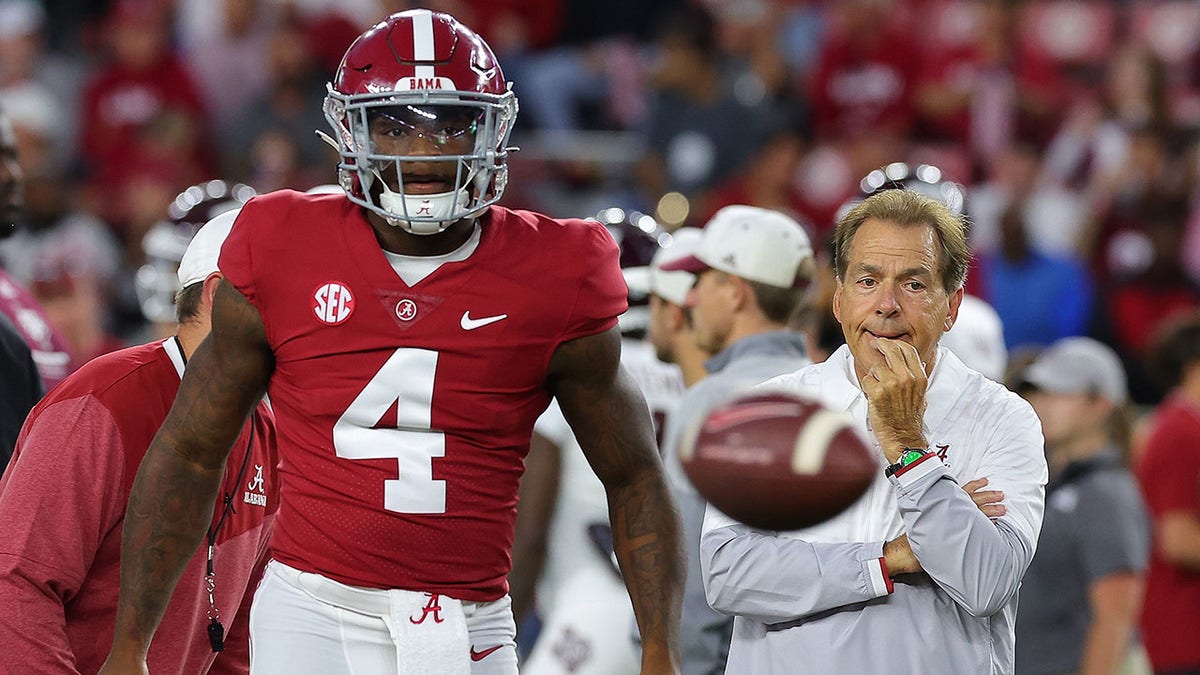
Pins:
x: 589, y: 631
x: 305, y: 623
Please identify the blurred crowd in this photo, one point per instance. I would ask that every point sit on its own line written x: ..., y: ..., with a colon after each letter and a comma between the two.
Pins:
x: 1072, y: 125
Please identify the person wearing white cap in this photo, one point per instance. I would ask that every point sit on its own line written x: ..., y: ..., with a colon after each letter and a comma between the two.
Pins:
x: 1081, y: 597
x: 752, y: 266
x: 977, y: 338
x: 920, y: 575
x: 669, y: 328
x: 63, y: 500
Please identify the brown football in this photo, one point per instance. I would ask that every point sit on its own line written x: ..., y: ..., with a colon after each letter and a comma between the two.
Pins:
x: 778, y: 461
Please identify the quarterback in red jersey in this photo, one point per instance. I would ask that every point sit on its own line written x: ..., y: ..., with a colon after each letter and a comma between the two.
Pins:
x: 408, y: 333
x: 63, y: 497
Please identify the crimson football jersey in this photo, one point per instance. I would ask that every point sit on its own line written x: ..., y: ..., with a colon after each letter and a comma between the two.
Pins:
x: 404, y: 413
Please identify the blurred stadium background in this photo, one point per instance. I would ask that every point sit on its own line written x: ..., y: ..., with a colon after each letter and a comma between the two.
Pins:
x: 1072, y: 125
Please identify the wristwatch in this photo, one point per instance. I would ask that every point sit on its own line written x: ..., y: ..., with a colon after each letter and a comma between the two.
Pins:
x: 907, y: 457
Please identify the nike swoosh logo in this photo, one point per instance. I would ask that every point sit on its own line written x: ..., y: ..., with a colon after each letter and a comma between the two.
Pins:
x: 468, y: 323
x: 479, y: 656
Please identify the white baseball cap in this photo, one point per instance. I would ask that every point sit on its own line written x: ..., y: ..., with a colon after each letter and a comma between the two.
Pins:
x: 200, y: 258
x: 670, y: 286
x: 753, y: 243
x: 977, y: 338
x: 1078, y: 365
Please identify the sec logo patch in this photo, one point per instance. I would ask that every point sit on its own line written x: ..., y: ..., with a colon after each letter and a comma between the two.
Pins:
x: 333, y: 303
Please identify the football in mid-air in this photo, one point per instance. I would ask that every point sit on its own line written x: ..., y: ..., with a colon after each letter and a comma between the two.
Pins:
x: 778, y: 461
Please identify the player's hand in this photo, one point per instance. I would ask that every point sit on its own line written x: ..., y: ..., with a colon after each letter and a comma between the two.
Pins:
x: 899, y: 558
x: 895, y: 391
x: 988, y: 501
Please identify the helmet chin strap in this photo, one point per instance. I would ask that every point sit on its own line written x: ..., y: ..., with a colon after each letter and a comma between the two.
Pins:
x: 439, y: 207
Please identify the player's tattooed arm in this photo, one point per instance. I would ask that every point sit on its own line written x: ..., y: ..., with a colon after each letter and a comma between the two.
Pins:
x: 612, y: 422
x: 171, y: 504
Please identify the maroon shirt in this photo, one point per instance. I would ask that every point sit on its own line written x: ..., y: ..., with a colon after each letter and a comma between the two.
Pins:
x: 405, y: 412
x: 1169, y: 473
x: 62, y: 505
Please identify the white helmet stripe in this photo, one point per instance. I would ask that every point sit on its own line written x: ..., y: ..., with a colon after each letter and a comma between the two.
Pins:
x: 422, y: 24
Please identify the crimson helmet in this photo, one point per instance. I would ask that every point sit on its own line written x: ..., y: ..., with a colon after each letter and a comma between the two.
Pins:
x: 432, y: 75
x: 157, y: 281
x: 639, y: 237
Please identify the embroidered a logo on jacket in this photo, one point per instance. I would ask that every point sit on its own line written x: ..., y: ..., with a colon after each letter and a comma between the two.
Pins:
x: 254, y: 489
x: 333, y: 303
x: 942, y: 451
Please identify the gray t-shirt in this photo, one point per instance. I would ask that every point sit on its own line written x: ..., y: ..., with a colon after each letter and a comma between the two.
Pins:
x: 1095, y: 526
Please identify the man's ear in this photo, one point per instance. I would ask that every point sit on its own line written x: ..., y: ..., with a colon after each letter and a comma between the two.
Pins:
x: 210, y: 287
x: 952, y: 315
x: 837, y: 299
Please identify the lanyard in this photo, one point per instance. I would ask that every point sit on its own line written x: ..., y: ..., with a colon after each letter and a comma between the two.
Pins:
x: 216, y: 631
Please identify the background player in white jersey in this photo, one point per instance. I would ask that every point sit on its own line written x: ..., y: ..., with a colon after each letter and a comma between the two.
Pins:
x: 562, y: 554
x: 409, y: 333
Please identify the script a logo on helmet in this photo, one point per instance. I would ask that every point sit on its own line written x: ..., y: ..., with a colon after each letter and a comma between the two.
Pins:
x: 333, y: 303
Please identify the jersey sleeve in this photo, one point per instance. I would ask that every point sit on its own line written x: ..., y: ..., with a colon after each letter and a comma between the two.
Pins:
x: 60, y: 497
x: 602, y: 294
x: 236, y: 261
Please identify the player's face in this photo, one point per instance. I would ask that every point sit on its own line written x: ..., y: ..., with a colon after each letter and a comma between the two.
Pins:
x: 713, y: 300
x: 12, y: 198
x: 893, y: 289
x: 658, y: 331
x: 424, y: 131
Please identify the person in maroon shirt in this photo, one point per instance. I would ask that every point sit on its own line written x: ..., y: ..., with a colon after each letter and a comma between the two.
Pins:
x: 409, y: 332
x: 1168, y: 469
x: 63, y: 498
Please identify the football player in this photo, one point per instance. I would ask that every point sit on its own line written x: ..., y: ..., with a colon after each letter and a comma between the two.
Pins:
x: 409, y: 333
x: 563, y: 536
x: 47, y: 345
x: 63, y: 497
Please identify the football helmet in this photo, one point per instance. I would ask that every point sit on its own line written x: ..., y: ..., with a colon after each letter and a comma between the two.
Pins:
x: 157, y: 281
x: 925, y: 179
x: 424, y: 75
x: 639, y: 237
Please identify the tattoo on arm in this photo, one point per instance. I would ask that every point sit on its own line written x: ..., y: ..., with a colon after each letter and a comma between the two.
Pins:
x: 613, y: 425
x: 175, y: 490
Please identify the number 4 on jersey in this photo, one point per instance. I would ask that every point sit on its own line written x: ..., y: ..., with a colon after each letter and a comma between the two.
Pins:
x: 406, y: 381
